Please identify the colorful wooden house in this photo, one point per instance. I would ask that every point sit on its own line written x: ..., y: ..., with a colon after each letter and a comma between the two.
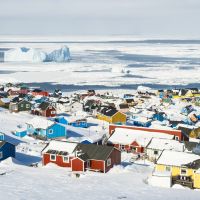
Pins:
x: 45, y: 129
x: 7, y: 146
x: 99, y: 158
x: 156, y: 146
x: 184, y: 167
x: 177, y: 134
x: 134, y: 141
x: 59, y: 153
x: 38, y: 92
x: 45, y: 109
x: 112, y: 115
x: 18, y: 106
x: 81, y: 157
x: 140, y: 121
x: 4, y: 102
x: 189, y: 131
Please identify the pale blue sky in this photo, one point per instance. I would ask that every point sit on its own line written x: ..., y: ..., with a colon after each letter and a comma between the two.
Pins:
x: 160, y: 18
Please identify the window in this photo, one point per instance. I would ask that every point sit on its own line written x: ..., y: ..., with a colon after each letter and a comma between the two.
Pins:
x: 50, y: 107
x: 176, y: 138
x: 168, y: 168
x: 66, y: 159
x: 50, y: 131
x: 155, y: 152
x: 1, y: 154
x: 122, y: 147
x: 53, y: 112
x: 133, y: 149
x: 108, y: 162
x: 183, y: 171
x: 27, y: 106
x: 53, y: 157
x: 22, y: 105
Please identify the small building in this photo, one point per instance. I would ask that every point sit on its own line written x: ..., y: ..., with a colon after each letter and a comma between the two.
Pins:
x: 4, y: 102
x: 134, y: 141
x: 100, y: 158
x: 45, y: 129
x: 177, y: 134
x: 140, y: 121
x: 112, y: 115
x: 184, y: 167
x: 81, y: 157
x: 39, y: 92
x: 59, y: 153
x: 7, y: 146
x: 157, y: 145
x: 189, y: 130
x: 18, y: 106
x: 45, y: 109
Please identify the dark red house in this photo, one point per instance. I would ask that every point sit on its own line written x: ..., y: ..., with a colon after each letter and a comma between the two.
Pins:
x: 178, y: 135
x: 81, y: 157
x: 45, y: 109
x: 12, y: 92
x: 39, y: 92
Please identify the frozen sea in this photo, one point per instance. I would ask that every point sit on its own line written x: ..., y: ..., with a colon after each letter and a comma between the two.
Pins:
x: 109, y: 64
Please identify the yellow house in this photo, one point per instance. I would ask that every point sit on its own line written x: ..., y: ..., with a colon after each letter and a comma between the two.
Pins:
x: 184, y: 167
x: 112, y: 115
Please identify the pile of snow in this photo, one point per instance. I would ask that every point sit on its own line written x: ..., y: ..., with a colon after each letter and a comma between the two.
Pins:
x: 24, y: 54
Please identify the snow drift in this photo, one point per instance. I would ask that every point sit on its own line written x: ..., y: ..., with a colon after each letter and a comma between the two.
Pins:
x: 24, y: 54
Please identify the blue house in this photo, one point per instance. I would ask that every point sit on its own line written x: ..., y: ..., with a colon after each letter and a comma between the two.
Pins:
x: 140, y: 121
x: 7, y: 146
x: 46, y: 129
x: 61, y: 120
x: 73, y: 121
x: 20, y: 131
x: 160, y: 116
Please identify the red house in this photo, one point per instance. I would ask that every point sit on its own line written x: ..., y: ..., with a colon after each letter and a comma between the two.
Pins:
x: 12, y: 92
x: 81, y: 157
x: 39, y: 92
x: 178, y: 135
x: 134, y: 141
x: 45, y: 109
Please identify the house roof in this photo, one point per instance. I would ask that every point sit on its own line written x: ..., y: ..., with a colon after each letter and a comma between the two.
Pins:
x: 108, y: 111
x: 40, y: 122
x: 190, y: 145
x: 128, y: 136
x: 37, y: 90
x: 56, y: 147
x: 175, y: 158
x: 92, y: 151
x: 161, y: 144
x: 44, y: 105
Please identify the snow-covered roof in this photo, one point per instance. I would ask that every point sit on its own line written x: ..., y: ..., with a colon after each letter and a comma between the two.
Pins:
x: 5, y: 100
x: 128, y: 136
x: 161, y: 144
x: 176, y: 158
x: 40, y: 122
x: 60, y: 146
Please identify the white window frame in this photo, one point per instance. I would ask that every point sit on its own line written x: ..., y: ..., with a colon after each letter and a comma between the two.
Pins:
x: 64, y: 159
x: 1, y: 154
x: 108, y: 162
x: 51, y: 158
x: 168, y: 168
x: 27, y: 105
x: 183, y: 174
x: 53, y: 112
x: 50, y: 131
x: 122, y: 147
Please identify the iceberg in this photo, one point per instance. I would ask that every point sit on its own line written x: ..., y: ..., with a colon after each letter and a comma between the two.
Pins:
x: 60, y: 55
x: 24, y: 54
